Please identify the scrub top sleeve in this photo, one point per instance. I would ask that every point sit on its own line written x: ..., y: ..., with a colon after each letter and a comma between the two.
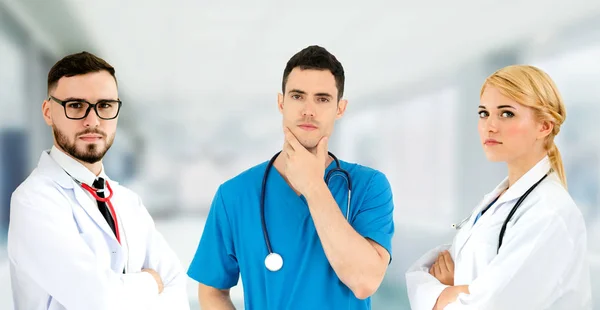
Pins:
x: 375, y: 217
x: 215, y: 263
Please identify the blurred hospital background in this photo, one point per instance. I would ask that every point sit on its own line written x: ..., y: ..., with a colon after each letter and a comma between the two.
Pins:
x: 199, y: 81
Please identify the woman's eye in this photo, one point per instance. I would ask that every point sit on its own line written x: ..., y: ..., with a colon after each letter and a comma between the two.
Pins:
x: 507, y: 114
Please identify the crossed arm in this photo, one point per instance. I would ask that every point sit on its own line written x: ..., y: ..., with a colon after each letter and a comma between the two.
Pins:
x: 443, y: 270
x: 536, y: 253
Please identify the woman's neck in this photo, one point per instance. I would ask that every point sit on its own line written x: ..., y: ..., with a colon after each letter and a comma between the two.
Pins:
x: 520, y: 166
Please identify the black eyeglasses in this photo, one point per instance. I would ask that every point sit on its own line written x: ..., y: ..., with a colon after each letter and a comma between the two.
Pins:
x: 79, y: 108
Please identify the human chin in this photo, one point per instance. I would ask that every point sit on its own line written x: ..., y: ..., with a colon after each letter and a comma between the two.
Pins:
x: 309, y: 144
x: 307, y: 140
x: 494, y: 155
x: 91, y: 152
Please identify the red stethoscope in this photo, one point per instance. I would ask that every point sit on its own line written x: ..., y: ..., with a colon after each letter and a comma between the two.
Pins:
x: 106, y: 200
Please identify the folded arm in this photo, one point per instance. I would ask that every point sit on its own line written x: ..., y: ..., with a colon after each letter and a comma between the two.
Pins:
x: 524, y: 275
x: 161, y: 258
x: 45, y: 244
x: 423, y: 287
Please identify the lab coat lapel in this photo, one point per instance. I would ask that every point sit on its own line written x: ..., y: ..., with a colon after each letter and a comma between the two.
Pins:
x: 50, y: 168
x: 514, y: 192
x: 91, y: 208
x: 125, y: 218
x: 470, y: 226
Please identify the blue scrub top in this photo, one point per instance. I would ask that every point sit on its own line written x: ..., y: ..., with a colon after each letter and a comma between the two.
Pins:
x: 233, y: 244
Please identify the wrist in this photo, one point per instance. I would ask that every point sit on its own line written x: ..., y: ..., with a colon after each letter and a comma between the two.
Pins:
x: 315, y: 189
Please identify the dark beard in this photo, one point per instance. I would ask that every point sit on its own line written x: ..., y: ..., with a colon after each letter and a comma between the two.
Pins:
x: 91, y: 155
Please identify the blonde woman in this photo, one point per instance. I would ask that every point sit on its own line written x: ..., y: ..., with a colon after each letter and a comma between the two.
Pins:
x: 524, y: 245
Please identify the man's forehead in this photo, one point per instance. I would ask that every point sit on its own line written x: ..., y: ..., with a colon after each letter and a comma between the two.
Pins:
x: 87, y: 85
x: 311, y: 81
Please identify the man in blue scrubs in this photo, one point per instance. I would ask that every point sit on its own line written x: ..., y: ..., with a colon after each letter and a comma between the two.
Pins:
x: 333, y: 258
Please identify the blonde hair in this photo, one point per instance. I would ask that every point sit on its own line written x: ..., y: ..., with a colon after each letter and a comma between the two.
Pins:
x: 532, y: 87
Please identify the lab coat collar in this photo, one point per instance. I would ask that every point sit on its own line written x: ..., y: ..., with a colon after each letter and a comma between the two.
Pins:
x: 74, y: 168
x: 54, y: 164
x: 514, y: 192
x: 48, y: 167
x: 523, y: 184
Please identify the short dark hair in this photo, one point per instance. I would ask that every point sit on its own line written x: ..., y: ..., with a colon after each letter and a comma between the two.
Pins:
x: 77, y: 64
x: 316, y: 58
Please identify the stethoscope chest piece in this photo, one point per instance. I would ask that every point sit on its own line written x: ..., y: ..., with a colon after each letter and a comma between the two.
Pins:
x: 273, y: 262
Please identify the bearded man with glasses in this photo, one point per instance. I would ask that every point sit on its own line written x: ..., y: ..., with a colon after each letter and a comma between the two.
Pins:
x: 77, y: 239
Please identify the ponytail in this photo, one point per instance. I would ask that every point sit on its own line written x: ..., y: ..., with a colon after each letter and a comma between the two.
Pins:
x: 556, y: 162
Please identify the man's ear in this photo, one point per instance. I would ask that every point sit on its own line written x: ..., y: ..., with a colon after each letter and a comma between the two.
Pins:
x: 280, y: 102
x: 47, y: 112
x: 341, y: 108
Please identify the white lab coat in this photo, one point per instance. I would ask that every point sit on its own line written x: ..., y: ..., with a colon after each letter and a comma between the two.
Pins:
x: 64, y: 255
x: 541, y: 264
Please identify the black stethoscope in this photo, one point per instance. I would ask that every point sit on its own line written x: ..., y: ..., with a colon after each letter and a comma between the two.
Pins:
x: 274, y: 261
x: 510, y: 214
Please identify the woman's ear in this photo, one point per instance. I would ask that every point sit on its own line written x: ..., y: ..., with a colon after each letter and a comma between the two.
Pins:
x: 546, y: 128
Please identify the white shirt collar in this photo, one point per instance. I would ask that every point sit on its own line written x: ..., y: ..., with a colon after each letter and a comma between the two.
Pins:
x: 75, y: 168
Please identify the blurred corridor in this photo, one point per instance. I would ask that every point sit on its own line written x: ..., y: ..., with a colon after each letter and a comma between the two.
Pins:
x: 199, y: 82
